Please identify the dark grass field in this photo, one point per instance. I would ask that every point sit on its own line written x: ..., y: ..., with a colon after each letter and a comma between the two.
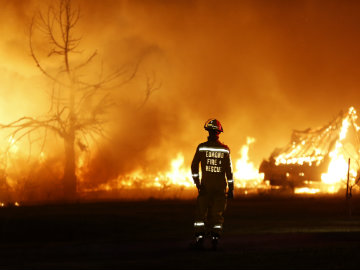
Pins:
x: 259, y: 232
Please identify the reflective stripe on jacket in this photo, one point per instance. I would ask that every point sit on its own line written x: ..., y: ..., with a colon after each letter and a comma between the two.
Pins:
x: 215, y: 165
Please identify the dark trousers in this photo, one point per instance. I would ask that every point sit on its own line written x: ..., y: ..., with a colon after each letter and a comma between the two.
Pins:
x: 210, y: 207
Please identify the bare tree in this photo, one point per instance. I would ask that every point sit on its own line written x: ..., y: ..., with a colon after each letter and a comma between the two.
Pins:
x: 77, y: 106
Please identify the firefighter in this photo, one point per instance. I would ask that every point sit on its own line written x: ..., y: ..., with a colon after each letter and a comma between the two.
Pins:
x: 216, y: 168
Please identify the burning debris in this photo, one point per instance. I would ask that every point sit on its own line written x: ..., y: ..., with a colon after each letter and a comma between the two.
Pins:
x: 316, y: 160
x: 177, y: 180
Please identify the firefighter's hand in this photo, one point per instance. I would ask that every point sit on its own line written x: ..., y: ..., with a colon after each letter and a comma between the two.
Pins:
x: 230, y: 194
x: 198, y: 187
x: 197, y: 183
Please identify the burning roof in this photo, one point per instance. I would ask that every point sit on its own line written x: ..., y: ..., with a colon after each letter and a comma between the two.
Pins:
x: 317, y: 155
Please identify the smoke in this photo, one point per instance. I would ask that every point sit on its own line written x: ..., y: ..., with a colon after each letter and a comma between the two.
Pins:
x: 262, y: 68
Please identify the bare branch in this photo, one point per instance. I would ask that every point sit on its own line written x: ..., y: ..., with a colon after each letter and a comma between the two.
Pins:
x: 91, y: 57
x: 30, y: 123
x: 50, y: 29
x: 74, y: 17
x: 150, y: 89
x: 61, y: 23
x: 36, y: 59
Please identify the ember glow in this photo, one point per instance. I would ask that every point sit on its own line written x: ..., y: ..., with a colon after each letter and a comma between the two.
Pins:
x: 306, y: 190
x: 178, y: 178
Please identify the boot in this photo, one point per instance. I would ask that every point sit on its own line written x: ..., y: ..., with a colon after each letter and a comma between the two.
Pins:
x: 214, y: 241
x: 199, y: 242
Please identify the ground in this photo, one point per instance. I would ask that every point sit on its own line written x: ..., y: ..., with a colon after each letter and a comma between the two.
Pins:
x: 259, y: 232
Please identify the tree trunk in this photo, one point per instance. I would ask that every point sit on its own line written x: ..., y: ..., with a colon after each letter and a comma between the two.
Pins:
x: 69, y: 179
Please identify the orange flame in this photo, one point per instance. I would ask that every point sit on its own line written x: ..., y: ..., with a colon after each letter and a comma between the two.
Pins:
x: 246, y: 175
x: 335, y: 177
x: 178, y: 177
x: 304, y: 152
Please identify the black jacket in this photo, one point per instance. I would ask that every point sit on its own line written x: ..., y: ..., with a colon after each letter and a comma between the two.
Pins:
x: 215, y: 165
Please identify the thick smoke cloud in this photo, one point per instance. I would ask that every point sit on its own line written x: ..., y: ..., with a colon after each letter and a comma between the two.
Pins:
x: 262, y: 68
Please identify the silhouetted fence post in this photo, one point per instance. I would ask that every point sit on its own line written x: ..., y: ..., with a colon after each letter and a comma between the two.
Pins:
x: 348, y: 191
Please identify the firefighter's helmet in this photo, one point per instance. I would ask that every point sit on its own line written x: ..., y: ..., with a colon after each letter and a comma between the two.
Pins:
x: 213, y: 124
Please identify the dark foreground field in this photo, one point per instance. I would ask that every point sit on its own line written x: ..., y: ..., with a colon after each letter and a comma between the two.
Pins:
x: 260, y: 232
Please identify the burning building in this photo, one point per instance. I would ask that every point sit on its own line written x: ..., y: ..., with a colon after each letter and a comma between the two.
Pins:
x: 318, y: 159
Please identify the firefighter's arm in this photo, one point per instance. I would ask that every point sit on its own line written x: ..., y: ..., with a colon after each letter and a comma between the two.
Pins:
x: 195, y: 168
x: 229, y: 177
